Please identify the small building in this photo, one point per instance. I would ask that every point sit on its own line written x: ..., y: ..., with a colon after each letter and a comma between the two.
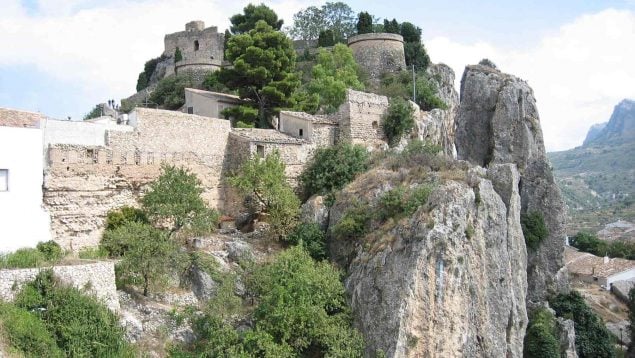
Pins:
x: 319, y: 130
x: 208, y: 104
x: 23, y: 221
x: 603, y: 271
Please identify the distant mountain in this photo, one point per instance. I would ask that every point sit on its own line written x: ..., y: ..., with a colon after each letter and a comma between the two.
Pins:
x: 598, y: 178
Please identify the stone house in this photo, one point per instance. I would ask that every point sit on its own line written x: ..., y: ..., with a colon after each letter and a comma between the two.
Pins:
x: 208, y: 104
x: 602, y: 271
x: 23, y: 222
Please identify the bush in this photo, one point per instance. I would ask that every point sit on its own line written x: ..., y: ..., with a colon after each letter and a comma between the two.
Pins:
x: 400, y: 201
x: 81, y: 326
x: 124, y: 215
x: 400, y: 85
x: 399, y: 120
x: 50, y: 250
x: 326, y: 38
x: 534, y: 229
x: 541, y: 337
x: 332, y: 168
x: 148, y: 69
x: 26, y: 333
x: 311, y: 237
x: 22, y: 258
x: 592, y: 339
x: 93, y: 253
x: 354, y: 223
x: 170, y: 91
x: 588, y: 242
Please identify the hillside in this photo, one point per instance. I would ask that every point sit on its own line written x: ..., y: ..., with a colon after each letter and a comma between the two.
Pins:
x: 598, y: 178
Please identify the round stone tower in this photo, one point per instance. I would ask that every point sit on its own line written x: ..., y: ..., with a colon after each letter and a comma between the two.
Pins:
x: 378, y: 53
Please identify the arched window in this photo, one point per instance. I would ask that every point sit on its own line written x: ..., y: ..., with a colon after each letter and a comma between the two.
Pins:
x: 196, y: 45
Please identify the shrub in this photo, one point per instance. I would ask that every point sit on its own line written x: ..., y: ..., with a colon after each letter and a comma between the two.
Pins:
x: 50, y: 250
x: 541, y: 337
x: 401, y: 201
x: 81, y: 326
x: 124, y: 215
x: 588, y: 242
x: 311, y: 237
x: 148, y: 69
x: 93, y: 253
x: 22, y: 258
x: 534, y: 229
x: 400, y: 85
x: 170, y: 91
x: 178, y: 55
x: 26, y: 333
x: 399, y: 120
x: 332, y: 168
x: 592, y: 339
x: 354, y: 223
x: 326, y: 38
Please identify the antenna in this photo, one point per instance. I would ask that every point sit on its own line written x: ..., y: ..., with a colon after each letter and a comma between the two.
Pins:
x: 414, y: 85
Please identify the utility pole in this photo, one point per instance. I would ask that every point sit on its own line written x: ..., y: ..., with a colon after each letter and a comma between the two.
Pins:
x: 414, y: 85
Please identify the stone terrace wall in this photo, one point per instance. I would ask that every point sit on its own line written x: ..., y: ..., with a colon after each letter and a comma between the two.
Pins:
x: 83, y: 183
x: 360, y: 119
x: 97, y: 278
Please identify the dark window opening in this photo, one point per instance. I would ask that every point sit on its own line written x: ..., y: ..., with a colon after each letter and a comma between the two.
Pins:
x: 196, y: 45
x: 375, y: 125
x: 260, y: 150
x: 190, y: 110
x: 301, y: 132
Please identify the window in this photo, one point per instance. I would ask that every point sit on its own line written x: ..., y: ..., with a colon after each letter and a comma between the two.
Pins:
x: 260, y: 150
x: 301, y: 132
x: 196, y: 45
x: 4, y: 179
x: 375, y: 125
x: 190, y: 110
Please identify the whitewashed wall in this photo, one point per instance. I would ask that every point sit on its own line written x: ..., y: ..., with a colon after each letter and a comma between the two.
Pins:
x: 78, y: 133
x: 23, y: 222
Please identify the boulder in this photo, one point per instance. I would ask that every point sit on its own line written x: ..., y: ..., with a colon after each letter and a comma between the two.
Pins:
x: 567, y: 337
x: 315, y: 211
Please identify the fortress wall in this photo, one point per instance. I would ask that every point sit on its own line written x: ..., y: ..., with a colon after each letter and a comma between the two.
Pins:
x: 97, y: 278
x: 378, y: 53
x: 83, y: 183
x: 360, y: 119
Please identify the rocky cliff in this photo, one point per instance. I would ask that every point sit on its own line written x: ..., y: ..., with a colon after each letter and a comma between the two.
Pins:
x: 498, y: 123
x: 455, y: 278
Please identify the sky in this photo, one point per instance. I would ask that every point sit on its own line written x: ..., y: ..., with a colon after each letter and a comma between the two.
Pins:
x: 61, y: 57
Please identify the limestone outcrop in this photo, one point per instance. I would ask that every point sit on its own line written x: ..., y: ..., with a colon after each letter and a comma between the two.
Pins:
x: 448, y: 281
x: 498, y: 122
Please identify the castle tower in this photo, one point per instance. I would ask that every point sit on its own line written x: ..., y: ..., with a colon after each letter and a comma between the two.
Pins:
x: 201, y: 49
x: 378, y: 53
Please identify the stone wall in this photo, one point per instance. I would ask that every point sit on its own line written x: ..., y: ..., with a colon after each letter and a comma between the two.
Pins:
x: 378, y: 53
x: 83, y: 183
x: 209, y: 40
x: 360, y: 119
x: 96, y: 278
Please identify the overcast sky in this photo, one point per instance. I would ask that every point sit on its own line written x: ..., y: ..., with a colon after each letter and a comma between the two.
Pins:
x: 60, y: 57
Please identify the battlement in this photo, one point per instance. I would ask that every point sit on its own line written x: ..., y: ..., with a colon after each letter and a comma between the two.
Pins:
x: 195, y: 26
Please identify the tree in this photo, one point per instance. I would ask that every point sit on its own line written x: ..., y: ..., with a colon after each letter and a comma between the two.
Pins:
x: 410, y: 32
x: 148, y: 69
x: 391, y: 27
x: 94, y: 113
x: 334, y: 72
x: 534, y: 229
x: 150, y: 255
x: 340, y: 18
x: 308, y: 23
x: 170, y: 91
x: 263, y: 180
x: 245, y: 22
x: 332, y: 168
x: 364, y: 23
x: 335, y: 16
x: 400, y: 85
x: 175, y: 196
x: 178, y: 55
x: 416, y: 55
x: 263, y: 70
x: 399, y: 120
x: 540, y: 339
x: 326, y: 38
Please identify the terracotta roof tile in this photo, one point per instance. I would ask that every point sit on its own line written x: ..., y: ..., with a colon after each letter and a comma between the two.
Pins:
x: 17, y: 118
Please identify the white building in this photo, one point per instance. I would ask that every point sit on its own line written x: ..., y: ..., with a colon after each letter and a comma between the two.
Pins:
x: 208, y: 104
x: 602, y: 271
x: 23, y: 221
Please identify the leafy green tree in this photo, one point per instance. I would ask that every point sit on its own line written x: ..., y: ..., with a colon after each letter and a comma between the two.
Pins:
x: 364, y: 23
x: 245, y: 22
x: 212, y: 83
x: 303, y: 305
x: 399, y: 120
x: 170, y: 91
x: 534, y: 229
x: 123, y: 215
x: 416, y: 55
x: 51, y: 250
x: 391, y: 27
x: 410, y: 32
x: 335, y: 16
x: 334, y: 72
x: 94, y: 113
x: 326, y: 38
x: 178, y: 55
x: 592, y: 339
x: 263, y: 180
x: 148, y: 69
x: 541, y: 337
x: 311, y: 237
x: 150, y: 256
x: 263, y: 70
x: 400, y: 85
x: 174, y: 196
x: 332, y: 168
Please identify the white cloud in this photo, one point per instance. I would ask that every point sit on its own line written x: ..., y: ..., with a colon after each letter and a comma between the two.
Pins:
x: 102, y: 48
x: 578, y: 73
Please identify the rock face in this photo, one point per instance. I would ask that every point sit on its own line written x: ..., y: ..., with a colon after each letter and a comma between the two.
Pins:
x: 315, y: 211
x: 497, y: 123
x: 448, y: 281
x: 620, y: 127
x: 594, y: 132
x: 567, y: 337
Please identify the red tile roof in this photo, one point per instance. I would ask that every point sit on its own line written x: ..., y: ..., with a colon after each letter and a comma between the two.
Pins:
x: 17, y: 118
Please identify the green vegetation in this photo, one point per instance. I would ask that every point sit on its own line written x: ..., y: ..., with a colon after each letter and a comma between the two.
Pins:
x: 400, y: 85
x: 94, y: 113
x: 263, y: 70
x: 264, y: 182
x: 534, y: 229
x: 170, y: 91
x: 326, y: 38
x: 248, y: 20
x: 178, y: 55
x: 391, y: 26
x: 334, y: 72
x: 398, y: 120
x: 631, y: 317
x: 26, y: 333
x: 587, y: 242
x: 123, y: 215
x: 541, y: 338
x: 80, y: 325
x: 212, y: 83
x: 592, y: 339
x: 332, y: 168
x: 148, y: 69
x: 364, y: 23
x: 355, y: 223
x: 45, y: 253
x: 402, y: 201
x: 311, y: 238
x: 337, y: 17
x: 413, y: 48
